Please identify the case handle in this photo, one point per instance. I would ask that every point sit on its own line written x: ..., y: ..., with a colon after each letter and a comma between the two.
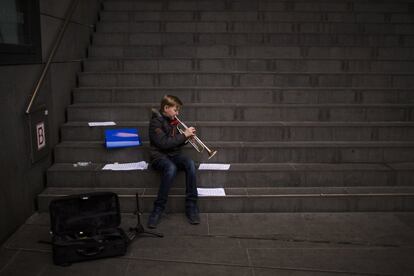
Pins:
x: 89, y: 252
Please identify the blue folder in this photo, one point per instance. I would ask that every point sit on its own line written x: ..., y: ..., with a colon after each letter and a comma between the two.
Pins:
x: 120, y: 138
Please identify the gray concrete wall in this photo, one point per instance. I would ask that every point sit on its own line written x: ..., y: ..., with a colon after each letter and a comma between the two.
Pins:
x: 21, y: 180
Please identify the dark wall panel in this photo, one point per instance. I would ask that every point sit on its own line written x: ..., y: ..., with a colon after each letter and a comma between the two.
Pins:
x: 22, y: 180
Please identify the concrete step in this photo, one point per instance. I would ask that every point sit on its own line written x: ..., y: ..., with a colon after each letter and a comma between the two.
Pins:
x: 260, y: 39
x: 266, y: 16
x: 244, y: 95
x: 256, y: 27
x: 248, y: 112
x: 252, y: 200
x: 262, y: 131
x: 226, y: 51
x: 246, y: 64
x: 245, y: 79
x: 264, y: 5
x: 251, y: 152
x: 240, y: 175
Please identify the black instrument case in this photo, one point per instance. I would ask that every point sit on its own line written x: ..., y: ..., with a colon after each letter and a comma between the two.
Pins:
x: 86, y: 227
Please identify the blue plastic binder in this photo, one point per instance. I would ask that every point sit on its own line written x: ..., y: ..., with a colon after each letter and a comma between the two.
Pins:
x: 119, y: 138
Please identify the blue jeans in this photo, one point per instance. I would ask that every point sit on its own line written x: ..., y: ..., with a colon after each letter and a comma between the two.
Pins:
x: 168, y: 167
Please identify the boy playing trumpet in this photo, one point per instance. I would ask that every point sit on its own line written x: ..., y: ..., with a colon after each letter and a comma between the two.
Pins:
x: 165, y: 151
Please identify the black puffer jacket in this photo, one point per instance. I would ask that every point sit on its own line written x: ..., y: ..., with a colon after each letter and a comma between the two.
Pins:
x: 165, y: 139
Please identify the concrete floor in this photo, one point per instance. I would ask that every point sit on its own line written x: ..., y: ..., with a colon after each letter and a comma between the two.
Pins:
x: 237, y: 244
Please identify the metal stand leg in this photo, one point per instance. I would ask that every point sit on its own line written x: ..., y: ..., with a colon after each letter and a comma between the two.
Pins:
x: 139, y: 229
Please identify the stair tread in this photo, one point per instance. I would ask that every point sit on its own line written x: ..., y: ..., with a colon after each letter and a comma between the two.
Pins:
x: 247, y: 192
x: 255, y: 21
x: 238, y: 144
x: 244, y: 72
x: 258, y: 10
x: 272, y: 88
x: 229, y: 19
x: 235, y: 58
x: 260, y: 32
x: 253, y: 123
x: 274, y: 105
x: 243, y: 167
x: 270, y: 11
x: 259, y: 46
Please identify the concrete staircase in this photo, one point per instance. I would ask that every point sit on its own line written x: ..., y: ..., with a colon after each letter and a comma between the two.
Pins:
x: 311, y: 102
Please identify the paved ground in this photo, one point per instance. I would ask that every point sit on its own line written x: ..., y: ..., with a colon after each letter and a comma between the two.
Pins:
x: 238, y: 244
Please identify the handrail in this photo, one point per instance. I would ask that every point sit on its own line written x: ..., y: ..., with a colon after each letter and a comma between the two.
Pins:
x: 56, y: 45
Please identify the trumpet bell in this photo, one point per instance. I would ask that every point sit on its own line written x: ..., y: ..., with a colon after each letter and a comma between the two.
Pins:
x: 211, y: 153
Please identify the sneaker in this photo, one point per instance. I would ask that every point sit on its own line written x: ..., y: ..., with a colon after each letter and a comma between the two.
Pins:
x: 193, y: 216
x: 154, y: 219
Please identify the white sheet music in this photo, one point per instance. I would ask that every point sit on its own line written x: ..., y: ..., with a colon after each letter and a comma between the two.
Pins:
x: 126, y: 166
x: 101, y: 124
x: 211, y: 192
x: 214, y: 166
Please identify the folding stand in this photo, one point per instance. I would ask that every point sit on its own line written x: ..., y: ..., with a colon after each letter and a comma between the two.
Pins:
x: 139, y: 229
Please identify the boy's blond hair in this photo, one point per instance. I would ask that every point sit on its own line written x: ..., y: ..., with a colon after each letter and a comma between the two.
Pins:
x: 170, y: 100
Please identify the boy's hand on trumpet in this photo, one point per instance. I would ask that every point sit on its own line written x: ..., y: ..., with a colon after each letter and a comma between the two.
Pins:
x: 189, y: 132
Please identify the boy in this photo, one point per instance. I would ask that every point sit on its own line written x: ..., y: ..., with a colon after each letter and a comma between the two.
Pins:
x: 165, y: 151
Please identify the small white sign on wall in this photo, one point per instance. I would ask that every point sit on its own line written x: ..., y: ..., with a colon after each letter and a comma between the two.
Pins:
x: 38, y: 124
x: 40, y: 134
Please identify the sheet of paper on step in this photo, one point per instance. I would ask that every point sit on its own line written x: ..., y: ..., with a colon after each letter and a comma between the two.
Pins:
x: 214, y: 166
x: 101, y: 124
x: 211, y: 192
x: 126, y: 166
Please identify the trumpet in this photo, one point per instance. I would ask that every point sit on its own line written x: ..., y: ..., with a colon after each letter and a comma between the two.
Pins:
x: 195, y: 141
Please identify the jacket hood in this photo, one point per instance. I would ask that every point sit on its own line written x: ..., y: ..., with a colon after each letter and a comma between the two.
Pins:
x: 157, y: 114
